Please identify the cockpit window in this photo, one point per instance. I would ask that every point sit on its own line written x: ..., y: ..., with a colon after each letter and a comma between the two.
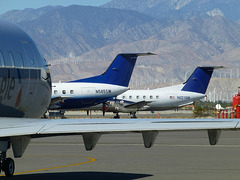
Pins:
x: 1, y: 59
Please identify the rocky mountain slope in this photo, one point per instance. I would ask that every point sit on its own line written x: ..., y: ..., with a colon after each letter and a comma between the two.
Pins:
x: 181, y: 9
x: 74, y: 30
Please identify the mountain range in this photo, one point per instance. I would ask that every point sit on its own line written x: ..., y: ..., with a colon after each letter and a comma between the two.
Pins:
x: 181, y: 9
x: 81, y: 41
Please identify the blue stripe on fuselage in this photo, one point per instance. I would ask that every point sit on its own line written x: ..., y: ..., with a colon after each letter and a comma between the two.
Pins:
x: 72, y: 103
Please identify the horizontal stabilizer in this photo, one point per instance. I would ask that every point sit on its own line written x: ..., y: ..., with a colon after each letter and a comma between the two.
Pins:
x: 199, y: 80
x: 119, y: 72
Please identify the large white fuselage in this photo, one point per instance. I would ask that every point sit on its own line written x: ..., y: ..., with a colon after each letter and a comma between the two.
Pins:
x: 157, y: 99
x: 79, y: 95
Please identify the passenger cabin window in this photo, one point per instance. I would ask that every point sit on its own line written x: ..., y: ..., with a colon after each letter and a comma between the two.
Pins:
x: 64, y: 91
x: 130, y: 97
x: 137, y: 97
x: 157, y: 97
x: 144, y: 97
x: 151, y: 97
x: 71, y: 92
x: 1, y: 59
x: 123, y: 97
x: 19, y: 60
x: 55, y: 91
x: 11, y: 60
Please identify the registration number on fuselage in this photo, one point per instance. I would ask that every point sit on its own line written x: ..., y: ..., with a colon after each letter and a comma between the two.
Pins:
x: 183, y: 97
x: 103, y: 91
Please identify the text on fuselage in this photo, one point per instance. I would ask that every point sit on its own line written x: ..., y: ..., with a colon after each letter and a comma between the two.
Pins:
x: 183, y: 97
x: 6, y: 87
x: 103, y: 91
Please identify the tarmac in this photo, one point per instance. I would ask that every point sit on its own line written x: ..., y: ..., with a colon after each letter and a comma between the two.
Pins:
x: 175, y: 155
x: 140, y: 114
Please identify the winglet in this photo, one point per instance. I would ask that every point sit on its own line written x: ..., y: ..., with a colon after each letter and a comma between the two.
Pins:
x: 199, y: 80
x: 119, y: 72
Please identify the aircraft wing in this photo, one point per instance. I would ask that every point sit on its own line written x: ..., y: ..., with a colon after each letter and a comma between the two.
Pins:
x: 182, y: 105
x: 114, y: 126
x: 37, y: 127
x: 57, y: 99
x: 21, y: 130
x: 137, y: 105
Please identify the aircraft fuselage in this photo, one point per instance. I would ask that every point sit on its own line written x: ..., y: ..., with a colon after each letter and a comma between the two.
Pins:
x: 25, y: 82
x: 80, y: 95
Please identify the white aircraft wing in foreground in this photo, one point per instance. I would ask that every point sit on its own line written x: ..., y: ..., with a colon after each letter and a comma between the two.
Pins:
x: 21, y: 131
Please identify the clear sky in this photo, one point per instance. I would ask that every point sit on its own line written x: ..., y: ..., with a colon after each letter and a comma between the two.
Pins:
x: 7, y: 5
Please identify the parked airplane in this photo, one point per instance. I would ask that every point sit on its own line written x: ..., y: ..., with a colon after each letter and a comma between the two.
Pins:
x: 25, y: 85
x: 165, y: 98
x: 94, y: 90
x: 25, y: 94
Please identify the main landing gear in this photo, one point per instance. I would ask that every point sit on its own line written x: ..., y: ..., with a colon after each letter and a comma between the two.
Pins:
x: 7, y: 165
x: 19, y: 145
x: 116, y: 116
x: 60, y: 114
x: 133, y: 115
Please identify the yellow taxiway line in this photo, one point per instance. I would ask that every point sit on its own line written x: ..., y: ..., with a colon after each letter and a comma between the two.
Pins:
x: 50, y: 168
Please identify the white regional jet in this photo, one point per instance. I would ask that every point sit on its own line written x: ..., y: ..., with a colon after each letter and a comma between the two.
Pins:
x: 25, y: 94
x: 94, y: 90
x: 171, y: 97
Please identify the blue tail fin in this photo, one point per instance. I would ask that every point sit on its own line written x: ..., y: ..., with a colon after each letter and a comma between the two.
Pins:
x: 119, y: 72
x: 199, y: 80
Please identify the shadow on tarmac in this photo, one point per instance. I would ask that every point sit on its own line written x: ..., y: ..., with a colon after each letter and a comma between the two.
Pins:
x: 79, y: 175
